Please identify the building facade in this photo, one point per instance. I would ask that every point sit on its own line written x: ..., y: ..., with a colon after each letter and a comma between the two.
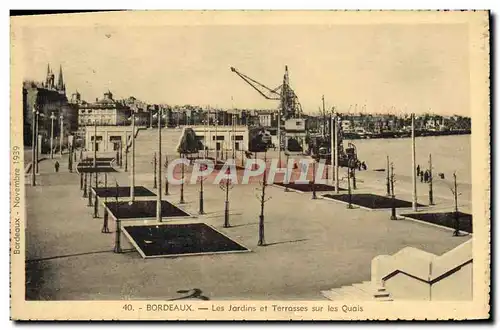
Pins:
x: 222, y: 137
x: 105, y: 112
x: 108, y: 138
x: 48, y: 97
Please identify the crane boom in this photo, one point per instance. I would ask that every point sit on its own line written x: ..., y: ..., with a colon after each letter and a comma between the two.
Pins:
x: 266, y: 92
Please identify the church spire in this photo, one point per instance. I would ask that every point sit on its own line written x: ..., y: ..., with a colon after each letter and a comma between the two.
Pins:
x: 60, y: 80
x: 47, y: 78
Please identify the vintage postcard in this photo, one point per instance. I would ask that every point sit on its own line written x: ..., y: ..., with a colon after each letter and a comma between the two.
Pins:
x: 250, y: 165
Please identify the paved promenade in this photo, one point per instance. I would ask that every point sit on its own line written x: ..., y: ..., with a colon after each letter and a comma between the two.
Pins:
x: 313, y: 245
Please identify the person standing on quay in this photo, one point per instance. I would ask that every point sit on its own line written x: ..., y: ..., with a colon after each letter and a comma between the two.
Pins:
x: 56, y: 166
x: 418, y: 170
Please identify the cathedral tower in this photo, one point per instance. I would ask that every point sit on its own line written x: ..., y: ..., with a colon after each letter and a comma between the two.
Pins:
x: 60, y: 81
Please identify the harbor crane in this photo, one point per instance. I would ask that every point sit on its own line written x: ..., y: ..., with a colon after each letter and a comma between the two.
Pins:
x: 289, y: 103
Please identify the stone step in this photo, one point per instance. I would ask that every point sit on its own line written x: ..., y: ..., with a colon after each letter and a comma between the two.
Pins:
x: 365, y: 286
x: 358, y: 291
x: 376, y: 292
x: 353, y: 293
x: 375, y: 287
x: 331, y: 294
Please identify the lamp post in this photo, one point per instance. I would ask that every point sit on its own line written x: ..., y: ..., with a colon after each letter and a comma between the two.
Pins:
x: 52, y: 117
x: 332, y: 146
x: 216, y: 137
x: 201, y: 210
x: 151, y: 118
x: 414, y: 161
x: 34, y: 119
x: 70, y: 158
x: 154, y: 171
x: 431, y: 195
x: 205, y: 144
x: 233, y: 122
x: 314, y: 180
x: 126, y: 156
x: 226, y: 185
x: 388, y: 178
x: 96, y: 205
x: 286, y: 181
x: 38, y: 142
x: 117, y: 248
x: 89, y: 191
x: 455, y: 193
x: 279, y: 136
x: 182, y: 181
x: 166, y: 176
x: 132, y: 177
x: 85, y: 186
x: 158, y: 193
x: 336, y: 155
x: 120, y: 155
x: 61, y: 135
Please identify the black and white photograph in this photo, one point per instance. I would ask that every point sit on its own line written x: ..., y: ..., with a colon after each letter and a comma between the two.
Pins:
x: 250, y: 165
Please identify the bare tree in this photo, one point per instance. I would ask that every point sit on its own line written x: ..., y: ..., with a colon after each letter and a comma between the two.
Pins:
x: 263, y: 200
x: 393, y: 196
x: 454, y: 190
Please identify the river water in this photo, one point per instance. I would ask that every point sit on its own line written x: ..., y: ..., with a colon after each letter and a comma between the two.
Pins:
x: 449, y: 153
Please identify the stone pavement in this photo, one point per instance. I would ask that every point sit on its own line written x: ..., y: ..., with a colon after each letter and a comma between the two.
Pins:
x: 313, y: 245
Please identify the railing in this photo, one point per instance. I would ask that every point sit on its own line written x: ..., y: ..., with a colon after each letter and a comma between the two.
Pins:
x: 418, y: 275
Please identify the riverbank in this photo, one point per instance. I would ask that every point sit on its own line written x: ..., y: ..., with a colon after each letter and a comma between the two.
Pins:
x: 395, y: 135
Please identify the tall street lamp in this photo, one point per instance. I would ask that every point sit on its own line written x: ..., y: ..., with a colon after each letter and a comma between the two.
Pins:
x: 201, y: 209
x: 166, y: 176
x: 158, y: 194
x: 38, y: 142
x: 154, y: 171
x: 233, y: 122
x: 52, y: 117
x: 132, y: 178
x: 216, y: 122
x: 61, y: 135
x: 34, y: 119
x: 226, y: 185
x: 96, y: 205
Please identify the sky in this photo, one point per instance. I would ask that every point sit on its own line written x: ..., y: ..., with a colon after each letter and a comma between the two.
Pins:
x: 404, y: 67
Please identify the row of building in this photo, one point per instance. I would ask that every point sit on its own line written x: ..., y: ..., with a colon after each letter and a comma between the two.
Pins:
x: 75, y: 114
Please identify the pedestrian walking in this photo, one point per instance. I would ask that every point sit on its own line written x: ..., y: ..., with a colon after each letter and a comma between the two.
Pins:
x: 56, y: 166
x: 421, y: 177
x: 426, y: 176
x: 418, y: 170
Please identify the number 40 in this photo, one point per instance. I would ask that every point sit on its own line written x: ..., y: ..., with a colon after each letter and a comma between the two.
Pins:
x: 128, y: 307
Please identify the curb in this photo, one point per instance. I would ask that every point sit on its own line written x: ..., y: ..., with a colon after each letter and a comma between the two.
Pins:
x: 435, y: 225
